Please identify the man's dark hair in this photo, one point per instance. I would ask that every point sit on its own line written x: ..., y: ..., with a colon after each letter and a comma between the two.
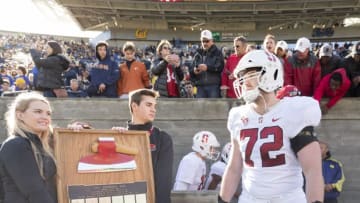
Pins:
x: 136, y: 96
x: 336, y: 77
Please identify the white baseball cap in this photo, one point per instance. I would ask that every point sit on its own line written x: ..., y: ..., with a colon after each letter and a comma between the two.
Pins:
x: 206, y: 34
x: 325, y: 50
x: 281, y: 44
x: 302, y: 44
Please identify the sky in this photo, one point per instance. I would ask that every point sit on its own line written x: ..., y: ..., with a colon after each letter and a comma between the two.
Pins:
x: 39, y: 16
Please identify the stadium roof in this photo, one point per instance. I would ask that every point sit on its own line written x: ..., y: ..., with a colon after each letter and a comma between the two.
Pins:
x: 215, y: 15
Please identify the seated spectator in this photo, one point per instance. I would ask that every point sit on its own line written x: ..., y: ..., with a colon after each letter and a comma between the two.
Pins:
x: 21, y: 73
x: 74, y: 89
x: 20, y: 84
x: 133, y: 74
x: 352, y: 66
x: 186, y: 89
x: 328, y: 61
x: 333, y: 175
x: 103, y: 74
x: 191, y: 173
x: 5, y: 85
x: 167, y: 67
x: 5, y: 75
x: 334, y: 85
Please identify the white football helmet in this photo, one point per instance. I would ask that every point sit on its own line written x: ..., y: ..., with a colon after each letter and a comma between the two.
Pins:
x: 225, y: 153
x: 205, y: 143
x: 270, y: 75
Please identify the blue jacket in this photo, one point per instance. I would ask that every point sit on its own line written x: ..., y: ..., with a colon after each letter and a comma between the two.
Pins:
x: 333, y: 174
x: 104, y: 71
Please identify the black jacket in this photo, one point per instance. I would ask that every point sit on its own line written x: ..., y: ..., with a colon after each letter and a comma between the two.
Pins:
x: 159, y: 68
x: 214, y: 60
x: 20, y: 175
x: 162, y: 154
x: 50, y: 70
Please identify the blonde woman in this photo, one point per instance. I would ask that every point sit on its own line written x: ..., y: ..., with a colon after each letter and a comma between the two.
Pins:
x: 27, y: 166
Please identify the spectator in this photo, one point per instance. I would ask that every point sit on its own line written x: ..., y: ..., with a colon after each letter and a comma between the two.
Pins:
x: 104, y: 73
x: 133, y: 74
x: 217, y: 169
x: 50, y: 69
x: 20, y: 84
x: 281, y: 51
x: 333, y: 175
x: 303, y: 68
x: 227, y: 76
x: 5, y: 85
x: 186, y: 89
x: 4, y: 74
x: 167, y: 67
x: 269, y: 43
x: 207, y: 66
x: 74, y: 89
x: 27, y: 166
x: 191, y: 173
x: 334, y: 85
x: 352, y: 66
x: 328, y: 61
x: 21, y: 73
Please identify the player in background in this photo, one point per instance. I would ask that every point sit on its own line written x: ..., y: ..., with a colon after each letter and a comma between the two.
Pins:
x: 191, y: 173
x: 272, y: 140
x: 217, y: 169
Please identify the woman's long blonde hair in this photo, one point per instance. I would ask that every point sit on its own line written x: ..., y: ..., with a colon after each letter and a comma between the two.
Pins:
x: 16, y: 127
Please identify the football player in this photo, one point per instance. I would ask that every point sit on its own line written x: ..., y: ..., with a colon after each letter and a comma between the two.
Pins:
x: 191, y: 173
x: 217, y: 169
x: 272, y: 140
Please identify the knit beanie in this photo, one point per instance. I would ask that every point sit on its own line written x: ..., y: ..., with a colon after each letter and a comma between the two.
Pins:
x: 55, y: 47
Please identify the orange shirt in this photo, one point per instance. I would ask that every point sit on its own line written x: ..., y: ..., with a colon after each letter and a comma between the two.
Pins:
x: 132, y: 79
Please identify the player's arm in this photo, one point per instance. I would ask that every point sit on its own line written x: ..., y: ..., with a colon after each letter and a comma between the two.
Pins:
x: 232, y: 174
x: 307, y: 149
x: 214, y: 182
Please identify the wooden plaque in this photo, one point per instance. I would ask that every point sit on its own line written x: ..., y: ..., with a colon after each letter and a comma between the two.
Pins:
x: 71, y: 146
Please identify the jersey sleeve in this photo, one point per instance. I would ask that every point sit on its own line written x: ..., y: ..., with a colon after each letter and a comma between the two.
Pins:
x: 232, y: 125
x: 186, y: 171
x: 303, y: 112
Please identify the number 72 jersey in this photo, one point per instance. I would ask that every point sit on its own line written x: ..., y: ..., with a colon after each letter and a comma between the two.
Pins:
x: 270, y: 166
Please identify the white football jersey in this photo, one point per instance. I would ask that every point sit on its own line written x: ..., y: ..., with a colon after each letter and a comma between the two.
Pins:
x: 217, y: 168
x: 192, y: 170
x: 270, y: 167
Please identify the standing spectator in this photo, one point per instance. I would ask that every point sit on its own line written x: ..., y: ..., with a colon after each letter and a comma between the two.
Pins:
x: 281, y: 51
x: 167, y: 67
x: 328, y: 61
x: 272, y: 140
x: 269, y: 43
x: 103, y: 74
x: 50, y: 69
x: 5, y: 75
x: 227, y: 76
x: 334, y: 85
x: 352, y: 66
x: 217, y: 169
x: 27, y: 166
x: 303, y: 68
x: 207, y: 66
x: 191, y: 173
x: 133, y: 74
x: 333, y: 175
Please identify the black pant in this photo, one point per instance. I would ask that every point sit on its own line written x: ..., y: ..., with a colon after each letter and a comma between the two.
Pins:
x: 330, y: 200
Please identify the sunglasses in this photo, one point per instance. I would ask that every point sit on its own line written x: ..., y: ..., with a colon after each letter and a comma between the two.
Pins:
x: 205, y: 41
x: 237, y: 46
